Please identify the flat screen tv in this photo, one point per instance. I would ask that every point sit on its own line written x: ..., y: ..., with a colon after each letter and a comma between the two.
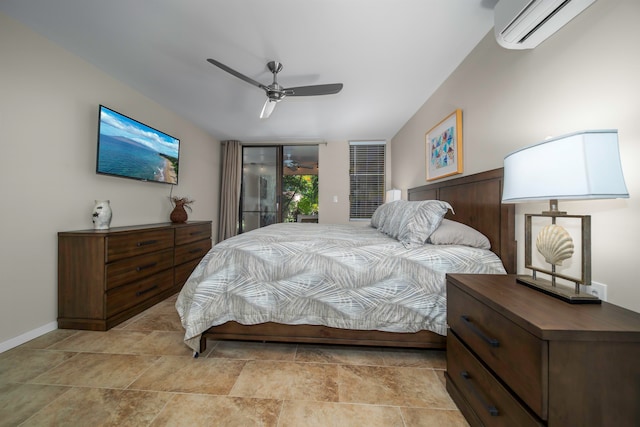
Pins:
x: 130, y: 149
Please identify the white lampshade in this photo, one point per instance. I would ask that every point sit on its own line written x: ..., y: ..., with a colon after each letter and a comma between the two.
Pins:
x: 393, y: 194
x: 581, y: 165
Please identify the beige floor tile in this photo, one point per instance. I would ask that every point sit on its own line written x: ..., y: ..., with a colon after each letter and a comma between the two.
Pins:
x: 188, y: 375
x: 436, y: 359
x: 157, y: 320
x: 19, y: 401
x: 141, y: 373
x: 341, y: 355
x: 97, y: 370
x: 253, y: 350
x: 23, y: 364
x: 397, y: 386
x: 214, y: 411
x: 165, y: 343
x: 93, y: 407
x: 441, y: 377
x: 288, y: 380
x: 423, y: 417
x: 325, y: 414
x: 49, y: 339
x: 131, y: 319
x: 112, y: 341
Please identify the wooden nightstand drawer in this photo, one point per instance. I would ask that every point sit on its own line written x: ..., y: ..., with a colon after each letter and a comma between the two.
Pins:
x: 514, y: 354
x: 128, y: 270
x: 192, y: 251
x: 490, y: 401
x: 127, y: 296
x: 581, y: 358
x: 133, y: 244
x: 191, y: 233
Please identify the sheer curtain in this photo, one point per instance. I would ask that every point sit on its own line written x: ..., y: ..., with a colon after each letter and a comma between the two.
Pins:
x: 230, y: 189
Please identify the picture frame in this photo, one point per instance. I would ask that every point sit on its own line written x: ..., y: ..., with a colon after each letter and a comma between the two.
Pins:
x: 443, y: 147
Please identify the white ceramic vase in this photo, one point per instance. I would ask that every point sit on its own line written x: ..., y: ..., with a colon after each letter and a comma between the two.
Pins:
x: 101, y: 215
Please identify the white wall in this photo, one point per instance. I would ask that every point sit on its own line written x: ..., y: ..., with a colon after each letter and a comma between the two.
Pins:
x: 333, y: 180
x: 586, y: 76
x: 48, y: 134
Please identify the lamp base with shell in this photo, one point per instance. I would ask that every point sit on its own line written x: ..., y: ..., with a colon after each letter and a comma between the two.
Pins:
x: 555, y: 244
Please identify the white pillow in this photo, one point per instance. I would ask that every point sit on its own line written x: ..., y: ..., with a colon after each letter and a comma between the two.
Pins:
x: 455, y: 233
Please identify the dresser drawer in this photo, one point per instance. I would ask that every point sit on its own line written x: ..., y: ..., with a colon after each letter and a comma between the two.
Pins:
x: 183, y: 271
x: 130, y: 295
x: 490, y: 401
x: 191, y: 251
x: 128, y: 245
x: 136, y: 268
x: 515, y: 355
x: 191, y: 233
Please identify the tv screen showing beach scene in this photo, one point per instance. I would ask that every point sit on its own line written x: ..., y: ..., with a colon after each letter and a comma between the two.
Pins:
x: 130, y: 149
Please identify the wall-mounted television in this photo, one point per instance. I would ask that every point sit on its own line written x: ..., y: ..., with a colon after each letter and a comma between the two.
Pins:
x: 130, y: 149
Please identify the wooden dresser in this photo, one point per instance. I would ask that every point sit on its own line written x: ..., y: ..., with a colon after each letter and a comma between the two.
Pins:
x: 517, y: 357
x: 108, y: 276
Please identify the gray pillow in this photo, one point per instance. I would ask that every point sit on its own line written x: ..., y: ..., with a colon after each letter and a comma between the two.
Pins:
x: 391, y: 222
x: 419, y: 220
x: 381, y: 214
x: 456, y: 233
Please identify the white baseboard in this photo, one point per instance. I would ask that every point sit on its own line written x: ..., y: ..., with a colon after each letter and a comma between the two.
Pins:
x: 27, y: 336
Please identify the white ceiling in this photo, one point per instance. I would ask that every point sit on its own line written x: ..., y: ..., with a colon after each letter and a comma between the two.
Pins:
x: 391, y: 55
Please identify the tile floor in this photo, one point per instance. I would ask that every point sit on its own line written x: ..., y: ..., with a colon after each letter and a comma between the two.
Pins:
x: 141, y: 374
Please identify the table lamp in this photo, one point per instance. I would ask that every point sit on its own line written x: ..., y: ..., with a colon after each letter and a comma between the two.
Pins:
x: 578, y: 166
x: 392, y: 195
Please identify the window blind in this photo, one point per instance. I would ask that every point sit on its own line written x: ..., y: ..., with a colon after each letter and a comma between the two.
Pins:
x: 366, y: 177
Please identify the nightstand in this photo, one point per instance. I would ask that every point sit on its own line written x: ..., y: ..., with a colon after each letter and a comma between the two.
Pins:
x: 517, y: 357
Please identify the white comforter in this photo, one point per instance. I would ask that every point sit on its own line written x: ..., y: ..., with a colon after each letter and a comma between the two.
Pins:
x: 342, y: 276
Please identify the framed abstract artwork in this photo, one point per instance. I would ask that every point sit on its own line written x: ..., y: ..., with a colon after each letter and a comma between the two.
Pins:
x: 444, y: 147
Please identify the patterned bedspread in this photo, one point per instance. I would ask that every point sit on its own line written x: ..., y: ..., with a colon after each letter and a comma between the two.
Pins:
x: 342, y: 276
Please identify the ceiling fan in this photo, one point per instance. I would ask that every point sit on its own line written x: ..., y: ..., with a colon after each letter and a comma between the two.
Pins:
x: 293, y: 165
x: 275, y: 92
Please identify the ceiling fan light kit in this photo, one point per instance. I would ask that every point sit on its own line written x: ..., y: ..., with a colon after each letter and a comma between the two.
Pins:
x: 275, y: 92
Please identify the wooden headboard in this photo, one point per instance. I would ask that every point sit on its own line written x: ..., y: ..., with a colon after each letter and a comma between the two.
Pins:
x: 477, y: 202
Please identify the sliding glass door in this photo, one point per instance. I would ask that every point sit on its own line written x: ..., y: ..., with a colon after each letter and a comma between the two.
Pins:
x: 279, y: 184
x: 261, y: 179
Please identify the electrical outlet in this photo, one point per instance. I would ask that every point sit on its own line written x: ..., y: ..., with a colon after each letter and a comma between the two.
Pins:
x: 596, y: 289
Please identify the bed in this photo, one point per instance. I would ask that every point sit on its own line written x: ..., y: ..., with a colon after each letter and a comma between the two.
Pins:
x: 312, y: 279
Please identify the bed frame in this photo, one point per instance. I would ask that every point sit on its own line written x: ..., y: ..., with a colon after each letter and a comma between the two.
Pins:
x: 477, y: 202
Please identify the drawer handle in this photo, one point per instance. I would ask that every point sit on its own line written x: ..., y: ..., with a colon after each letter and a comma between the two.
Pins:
x: 491, y: 341
x: 195, y: 251
x: 144, y: 267
x: 139, y: 293
x: 195, y: 233
x: 146, y: 243
x: 493, y: 411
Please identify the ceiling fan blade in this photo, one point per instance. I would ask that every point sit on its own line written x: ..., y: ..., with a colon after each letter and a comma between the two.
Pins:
x: 314, y: 90
x: 236, y: 73
x: 267, y: 108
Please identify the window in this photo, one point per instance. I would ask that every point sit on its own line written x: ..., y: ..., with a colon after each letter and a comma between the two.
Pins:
x: 366, y: 177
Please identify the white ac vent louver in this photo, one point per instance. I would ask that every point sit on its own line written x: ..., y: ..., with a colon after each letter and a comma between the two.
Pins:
x: 524, y: 24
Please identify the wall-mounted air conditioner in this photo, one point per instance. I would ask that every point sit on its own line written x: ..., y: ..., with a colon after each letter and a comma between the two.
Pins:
x: 524, y: 24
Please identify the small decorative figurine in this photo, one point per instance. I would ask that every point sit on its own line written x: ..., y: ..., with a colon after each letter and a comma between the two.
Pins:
x: 101, y: 215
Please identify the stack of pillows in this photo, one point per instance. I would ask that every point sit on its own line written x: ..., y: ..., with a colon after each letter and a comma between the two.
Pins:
x: 417, y: 223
